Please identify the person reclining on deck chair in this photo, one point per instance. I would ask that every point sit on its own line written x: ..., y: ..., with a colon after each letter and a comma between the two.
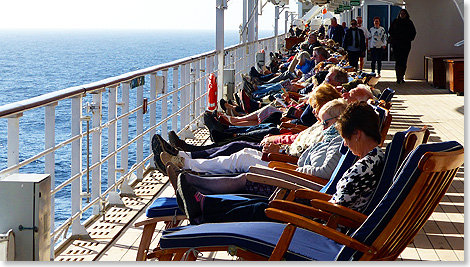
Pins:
x: 320, y: 160
x: 359, y: 127
x: 236, y: 162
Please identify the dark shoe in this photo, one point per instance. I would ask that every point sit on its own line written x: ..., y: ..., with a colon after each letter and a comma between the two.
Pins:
x: 157, y: 150
x: 254, y: 72
x: 175, y: 141
x: 192, y: 209
x: 247, y: 85
x: 166, y: 147
x: 173, y: 172
x: 213, y: 124
x: 222, y: 104
x: 237, y: 99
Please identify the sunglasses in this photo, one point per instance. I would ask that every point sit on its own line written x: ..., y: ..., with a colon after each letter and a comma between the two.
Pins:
x: 353, y: 23
x: 325, y: 122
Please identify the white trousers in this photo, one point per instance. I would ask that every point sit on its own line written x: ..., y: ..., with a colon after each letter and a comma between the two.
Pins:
x: 236, y: 163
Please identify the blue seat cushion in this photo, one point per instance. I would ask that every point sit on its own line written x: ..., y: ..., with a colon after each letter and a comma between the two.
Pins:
x: 258, y: 237
x: 163, y: 206
x: 387, y: 95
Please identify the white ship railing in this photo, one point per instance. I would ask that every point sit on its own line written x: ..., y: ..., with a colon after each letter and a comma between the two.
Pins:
x: 105, y: 106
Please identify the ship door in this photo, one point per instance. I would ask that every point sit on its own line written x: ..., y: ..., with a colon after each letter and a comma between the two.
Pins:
x: 386, y: 13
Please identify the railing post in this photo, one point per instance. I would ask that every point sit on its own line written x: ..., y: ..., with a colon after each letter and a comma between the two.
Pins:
x: 152, y: 111
x: 96, y: 153
x: 13, y: 141
x: 202, y: 89
x: 192, y: 89
x: 140, y: 130
x: 124, y: 104
x: 76, y: 165
x: 113, y: 197
x: 174, y: 99
x: 183, y: 94
x: 49, y: 159
x: 197, y: 90
x: 164, y: 105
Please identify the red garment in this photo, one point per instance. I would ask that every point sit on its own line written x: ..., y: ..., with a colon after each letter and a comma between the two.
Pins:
x: 285, y: 139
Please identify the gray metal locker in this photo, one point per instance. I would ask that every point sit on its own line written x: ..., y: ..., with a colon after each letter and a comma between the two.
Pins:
x: 25, y: 207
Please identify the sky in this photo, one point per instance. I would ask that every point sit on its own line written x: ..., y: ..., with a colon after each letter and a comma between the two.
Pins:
x: 130, y: 14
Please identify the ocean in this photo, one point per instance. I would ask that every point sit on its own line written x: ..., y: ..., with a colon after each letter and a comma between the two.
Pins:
x: 36, y: 62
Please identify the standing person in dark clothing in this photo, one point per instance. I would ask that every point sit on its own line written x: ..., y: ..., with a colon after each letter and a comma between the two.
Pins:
x: 355, y: 43
x: 321, y: 30
x: 402, y: 31
x: 336, y: 31
x: 298, y: 32
x: 291, y: 31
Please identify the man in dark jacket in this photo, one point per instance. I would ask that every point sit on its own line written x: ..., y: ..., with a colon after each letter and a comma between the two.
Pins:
x: 355, y: 43
x: 336, y: 31
x: 402, y: 31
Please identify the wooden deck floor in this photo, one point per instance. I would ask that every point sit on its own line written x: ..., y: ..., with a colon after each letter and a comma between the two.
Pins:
x: 415, y: 104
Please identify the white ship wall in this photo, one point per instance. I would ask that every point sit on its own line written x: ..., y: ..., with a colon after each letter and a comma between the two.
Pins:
x: 439, y: 26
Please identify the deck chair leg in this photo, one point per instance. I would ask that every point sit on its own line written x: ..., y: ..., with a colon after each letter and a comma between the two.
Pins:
x: 145, y: 241
x: 190, y: 256
x: 178, y: 256
x: 167, y: 257
x: 283, y: 243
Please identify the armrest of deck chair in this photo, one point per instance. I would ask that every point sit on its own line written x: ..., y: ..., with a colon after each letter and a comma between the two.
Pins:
x: 295, y: 220
x: 311, y: 194
x: 281, y: 164
x: 285, y: 119
x: 309, y: 177
x: 268, y: 172
x: 339, y: 210
x: 299, y: 208
x: 312, y: 212
x: 287, y: 125
x: 292, y: 126
x: 295, y: 95
x: 282, y: 157
x: 263, y: 179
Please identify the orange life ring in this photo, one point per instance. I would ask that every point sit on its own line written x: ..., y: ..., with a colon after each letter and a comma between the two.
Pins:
x: 212, y: 93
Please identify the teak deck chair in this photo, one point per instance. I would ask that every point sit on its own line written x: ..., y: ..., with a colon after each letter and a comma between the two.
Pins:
x: 418, y: 186
x: 386, y: 96
x: 400, y: 146
x: 166, y: 209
